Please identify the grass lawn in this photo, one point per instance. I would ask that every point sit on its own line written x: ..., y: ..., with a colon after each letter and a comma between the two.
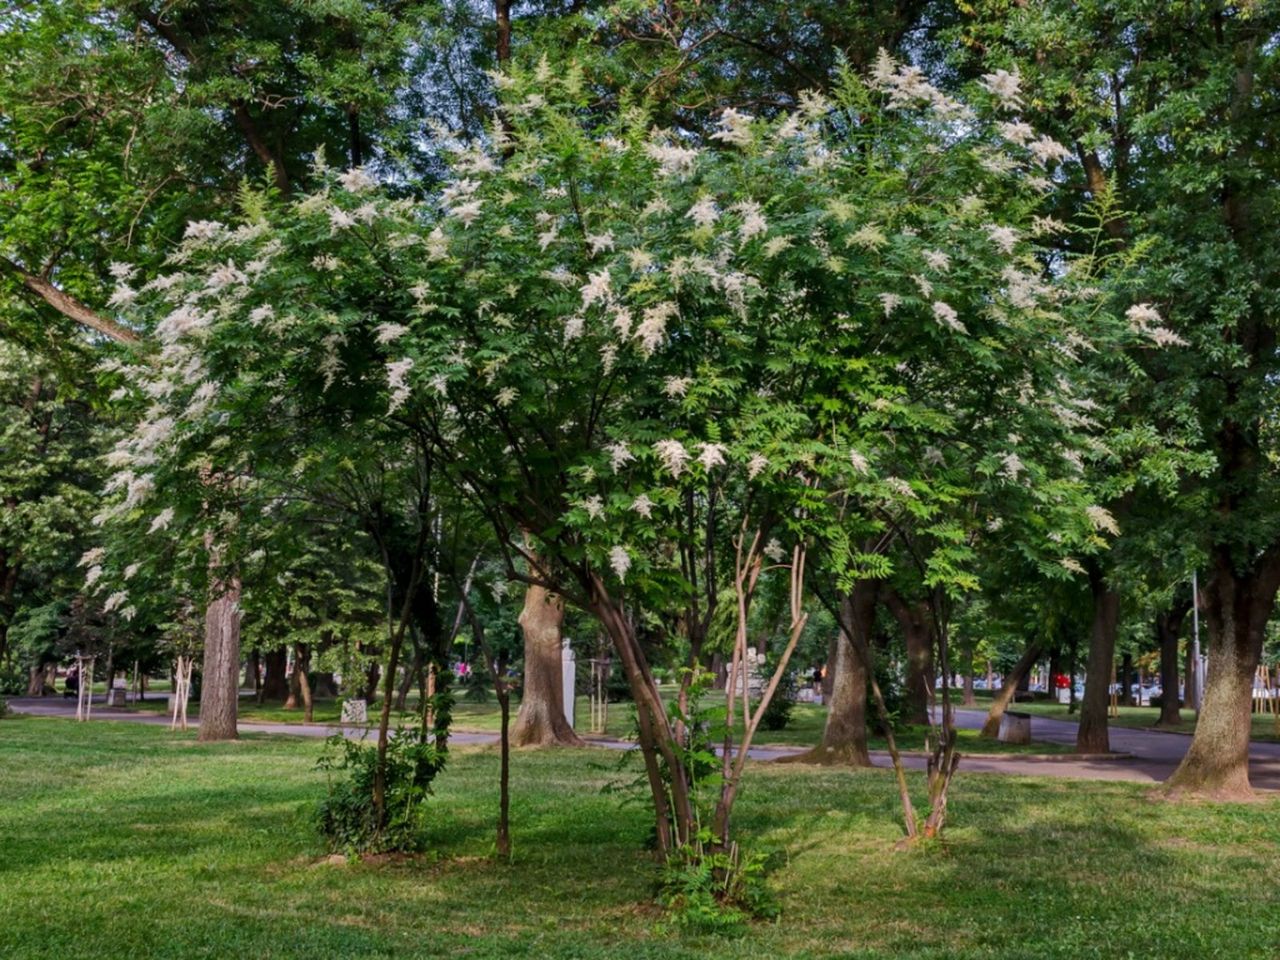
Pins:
x: 804, y: 730
x: 125, y: 840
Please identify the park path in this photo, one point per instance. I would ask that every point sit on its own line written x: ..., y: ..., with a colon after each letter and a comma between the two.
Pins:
x: 1143, y: 756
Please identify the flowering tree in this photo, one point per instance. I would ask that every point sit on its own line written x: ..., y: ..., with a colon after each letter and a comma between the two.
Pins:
x: 670, y: 366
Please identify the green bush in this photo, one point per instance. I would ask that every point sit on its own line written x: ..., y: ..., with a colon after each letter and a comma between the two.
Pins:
x: 346, y: 817
x: 4, y: 708
x: 12, y: 683
x: 778, y: 713
x: 710, y: 890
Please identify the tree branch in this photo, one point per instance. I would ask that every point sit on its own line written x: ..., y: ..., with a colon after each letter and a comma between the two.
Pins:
x: 68, y: 305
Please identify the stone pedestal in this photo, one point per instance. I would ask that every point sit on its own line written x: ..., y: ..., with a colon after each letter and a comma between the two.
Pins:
x: 1015, y: 727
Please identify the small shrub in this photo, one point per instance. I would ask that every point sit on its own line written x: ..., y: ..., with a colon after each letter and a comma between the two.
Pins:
x: 778, y: 713
x: 477, y: 683
x: 346, y: 817
x: 718, y: 891
x: 13, y: 683
x: 4, y: 708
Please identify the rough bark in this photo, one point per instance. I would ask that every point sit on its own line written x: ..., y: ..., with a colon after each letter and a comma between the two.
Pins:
x: 1092, y: 735
x: 1001, y: 700
x: 220, y: 681
x: 1168, y: 626
x: 68, y: 305
x: 253, y: 671
x: 669, y: 783
x: 844, y: 738
x: 828, y: 674
x: 541, y: 720
x: 1126, y: 680
x: 913, y: 619
x: 1237, y: 607
x: 275, y: 685
x: 302, y: 659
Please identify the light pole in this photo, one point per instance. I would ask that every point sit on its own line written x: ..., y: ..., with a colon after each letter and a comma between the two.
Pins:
x: 1195, y: 644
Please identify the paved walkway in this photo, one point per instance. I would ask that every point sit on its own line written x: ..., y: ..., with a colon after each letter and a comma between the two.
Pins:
x: 1145, y: 756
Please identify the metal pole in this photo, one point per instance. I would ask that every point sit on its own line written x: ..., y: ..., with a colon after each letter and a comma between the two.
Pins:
x: 1195, y: 643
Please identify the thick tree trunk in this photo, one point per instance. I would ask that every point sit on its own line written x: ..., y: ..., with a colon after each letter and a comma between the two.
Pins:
x: 828, y: 674
x: 301, y: 664
x: 253, y: 671
x: 1126, y: 680
x: 844, y: 738
x: 325, y: 686
x: 275, y: 685
x: 541, y: 721
x: 1092, y: 735
x: 1168, y: 626
x: 220, y: 680
x: 913, y: 619
x: 1000, y: 701
x: 371, y: 681
x: 1237, y: 608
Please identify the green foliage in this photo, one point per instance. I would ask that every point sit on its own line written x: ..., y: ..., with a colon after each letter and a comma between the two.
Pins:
x: 12, y: 682
x: 777, y: 714
x: 347, y: 817
x: 709, y: 890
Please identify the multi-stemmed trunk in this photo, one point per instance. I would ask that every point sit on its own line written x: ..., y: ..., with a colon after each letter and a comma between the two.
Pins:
x: 665, y: 770
x: 1092, y: 735
x: 1237, y: 606
x: 541, y: 721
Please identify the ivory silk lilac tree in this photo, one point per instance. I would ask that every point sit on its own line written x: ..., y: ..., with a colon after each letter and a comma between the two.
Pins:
x: 674, y: 366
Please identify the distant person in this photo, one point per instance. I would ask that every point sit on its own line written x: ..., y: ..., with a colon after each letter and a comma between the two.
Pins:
x: 71, y: 686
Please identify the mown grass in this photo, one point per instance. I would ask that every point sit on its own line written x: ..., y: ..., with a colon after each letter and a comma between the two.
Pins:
x: 125, y: 840
x: 804, y: 729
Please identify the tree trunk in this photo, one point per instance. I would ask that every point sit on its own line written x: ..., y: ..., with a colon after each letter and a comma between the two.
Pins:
x: 325, y: 686
x: 913, y: 618
x: 1000, y: 701
x: 1092, y: 735
x: 1168, y: 626
x: 275, y: 685
x: 668, y: 778
x: 541, y: 721
x: 411, y: 674
x: 844, y: 738
x: 301, y: 663
x: 371, y: 681
x: 829, y: 674
x: 220, y: 681
x: 252, y: 671
x: 1237, y: 608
